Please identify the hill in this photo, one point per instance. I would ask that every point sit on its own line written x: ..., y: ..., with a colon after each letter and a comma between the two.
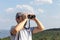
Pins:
x: 50, y: 34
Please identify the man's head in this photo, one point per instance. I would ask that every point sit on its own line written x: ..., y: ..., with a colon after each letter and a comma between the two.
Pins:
x: 20, y: 17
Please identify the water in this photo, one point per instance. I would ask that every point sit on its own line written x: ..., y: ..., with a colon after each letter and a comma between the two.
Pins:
x: 4, y: 33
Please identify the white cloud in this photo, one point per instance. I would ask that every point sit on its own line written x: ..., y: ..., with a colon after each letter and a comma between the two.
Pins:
x: 40, y: 10
x: 9, y: 10
x: 41, y: 2
x: 28, y: 7
x: 25, y: 8
x: 18, y: 6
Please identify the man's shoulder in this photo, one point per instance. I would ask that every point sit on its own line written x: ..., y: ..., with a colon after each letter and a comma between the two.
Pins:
x: 13, y: 27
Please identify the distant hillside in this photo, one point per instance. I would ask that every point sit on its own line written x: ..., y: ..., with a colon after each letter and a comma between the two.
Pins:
x: 53, y: 29
x: 50, y: 34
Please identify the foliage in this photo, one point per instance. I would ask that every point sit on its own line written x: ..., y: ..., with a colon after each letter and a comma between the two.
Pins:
x: 44, y: 35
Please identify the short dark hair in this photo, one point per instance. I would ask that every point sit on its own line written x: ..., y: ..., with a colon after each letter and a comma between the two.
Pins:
x: 19, y: 14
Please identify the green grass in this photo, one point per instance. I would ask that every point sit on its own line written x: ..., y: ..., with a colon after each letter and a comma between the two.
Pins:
x: 45, y: 35
x: 7, y: 38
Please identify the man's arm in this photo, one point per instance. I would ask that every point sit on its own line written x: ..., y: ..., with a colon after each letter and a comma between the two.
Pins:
x: 39, y: 27
x: 19, y: 27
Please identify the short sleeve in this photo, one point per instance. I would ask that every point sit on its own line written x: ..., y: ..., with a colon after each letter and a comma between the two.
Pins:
x: 12, y: 29
x: 12, y: 37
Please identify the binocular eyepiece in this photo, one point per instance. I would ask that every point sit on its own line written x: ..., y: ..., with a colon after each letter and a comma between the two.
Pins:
x: 31, y: 16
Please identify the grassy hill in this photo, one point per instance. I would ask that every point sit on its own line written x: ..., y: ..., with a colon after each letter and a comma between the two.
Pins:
x: 50, y: 34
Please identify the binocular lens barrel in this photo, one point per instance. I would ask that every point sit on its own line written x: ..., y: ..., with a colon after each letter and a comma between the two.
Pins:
x: 31, y: 16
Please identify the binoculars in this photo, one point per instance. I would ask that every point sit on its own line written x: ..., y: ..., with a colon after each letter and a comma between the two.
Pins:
x: 31, y: 16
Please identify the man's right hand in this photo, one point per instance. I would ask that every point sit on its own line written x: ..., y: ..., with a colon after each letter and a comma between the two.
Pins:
x: 25, y: 16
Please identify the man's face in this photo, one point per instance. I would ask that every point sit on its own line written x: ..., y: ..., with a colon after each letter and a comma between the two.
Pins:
x: 19, y: 19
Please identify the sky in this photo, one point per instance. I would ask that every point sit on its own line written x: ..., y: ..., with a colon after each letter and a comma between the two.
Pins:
x: 47, y: 11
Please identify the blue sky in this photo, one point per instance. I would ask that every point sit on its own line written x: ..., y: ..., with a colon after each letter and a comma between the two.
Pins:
x: 47, y: 11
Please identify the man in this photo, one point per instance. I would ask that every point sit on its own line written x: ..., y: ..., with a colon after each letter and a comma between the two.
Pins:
x: 20, y: 32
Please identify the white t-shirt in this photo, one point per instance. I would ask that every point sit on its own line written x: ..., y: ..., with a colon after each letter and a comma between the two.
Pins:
x: 25, y: 34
